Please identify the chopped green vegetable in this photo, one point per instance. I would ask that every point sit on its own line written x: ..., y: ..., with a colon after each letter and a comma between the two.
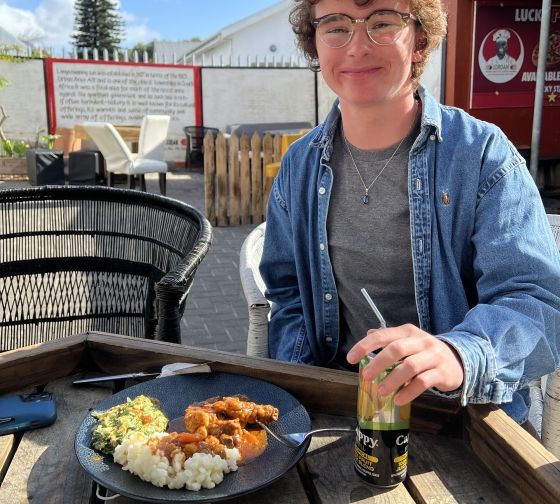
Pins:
x: 136, y: 415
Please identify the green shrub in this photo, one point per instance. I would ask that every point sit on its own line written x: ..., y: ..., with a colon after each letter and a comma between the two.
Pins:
x: 14, y: 148
x: 48, y: 140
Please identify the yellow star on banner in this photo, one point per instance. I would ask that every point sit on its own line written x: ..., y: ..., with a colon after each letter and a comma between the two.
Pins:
x: 552, y: 97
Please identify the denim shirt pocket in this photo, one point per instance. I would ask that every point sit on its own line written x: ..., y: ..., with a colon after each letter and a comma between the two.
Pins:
x: 301, y: 352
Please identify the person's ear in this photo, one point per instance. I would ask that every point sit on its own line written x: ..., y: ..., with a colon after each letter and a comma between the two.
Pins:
x: 419, y: 46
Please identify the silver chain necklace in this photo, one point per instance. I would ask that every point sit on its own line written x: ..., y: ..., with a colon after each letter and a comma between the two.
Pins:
x: 365, y: 199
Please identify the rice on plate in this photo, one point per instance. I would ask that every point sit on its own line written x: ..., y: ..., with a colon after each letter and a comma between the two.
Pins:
x: 139, y: 455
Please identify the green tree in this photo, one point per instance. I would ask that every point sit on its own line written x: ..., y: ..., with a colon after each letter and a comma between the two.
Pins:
x: 97, y: 24
x: 149, y: 48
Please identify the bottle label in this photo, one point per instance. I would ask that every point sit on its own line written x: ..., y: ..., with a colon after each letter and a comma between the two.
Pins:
x: 381, y: 456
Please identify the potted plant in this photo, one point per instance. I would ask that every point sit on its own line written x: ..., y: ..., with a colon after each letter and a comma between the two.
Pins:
x: 12, y: 157
x: 45, y: 165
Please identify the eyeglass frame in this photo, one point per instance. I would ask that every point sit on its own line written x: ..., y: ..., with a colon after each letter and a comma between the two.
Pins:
x: 405, y: 16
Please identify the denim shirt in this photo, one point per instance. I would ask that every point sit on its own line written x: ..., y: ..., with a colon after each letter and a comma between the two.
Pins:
x: 486, y: 267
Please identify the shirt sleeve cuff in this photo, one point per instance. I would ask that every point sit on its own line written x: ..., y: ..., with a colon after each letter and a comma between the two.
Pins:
x: 475, y: 356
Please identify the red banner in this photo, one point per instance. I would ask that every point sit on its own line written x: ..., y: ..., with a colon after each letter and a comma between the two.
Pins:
x: 506, y: 48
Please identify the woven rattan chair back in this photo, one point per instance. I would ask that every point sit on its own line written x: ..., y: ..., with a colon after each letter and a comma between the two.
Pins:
x: 75, y: 259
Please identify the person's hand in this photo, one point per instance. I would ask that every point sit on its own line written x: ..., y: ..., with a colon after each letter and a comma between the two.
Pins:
x: 425, y: 361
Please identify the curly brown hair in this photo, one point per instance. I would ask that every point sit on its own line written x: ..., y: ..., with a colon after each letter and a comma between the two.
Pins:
x: 432, y: 20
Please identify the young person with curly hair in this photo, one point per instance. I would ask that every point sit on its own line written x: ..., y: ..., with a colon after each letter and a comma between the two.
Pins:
x: 431, y: 210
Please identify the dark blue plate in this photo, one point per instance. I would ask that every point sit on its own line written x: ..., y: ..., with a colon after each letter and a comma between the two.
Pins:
x: 175, y: 393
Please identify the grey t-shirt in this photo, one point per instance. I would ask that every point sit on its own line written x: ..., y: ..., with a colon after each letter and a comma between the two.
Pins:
x: 369, y: 244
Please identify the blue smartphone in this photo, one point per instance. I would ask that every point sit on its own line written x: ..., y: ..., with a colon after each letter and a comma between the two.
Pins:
x: 24, y: 412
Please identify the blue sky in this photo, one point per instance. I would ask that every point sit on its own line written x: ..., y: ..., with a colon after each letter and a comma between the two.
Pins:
x: 50, y: 22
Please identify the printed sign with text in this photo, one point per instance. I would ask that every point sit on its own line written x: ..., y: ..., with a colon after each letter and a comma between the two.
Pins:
x: 122, y: 94
x: 506, y: 51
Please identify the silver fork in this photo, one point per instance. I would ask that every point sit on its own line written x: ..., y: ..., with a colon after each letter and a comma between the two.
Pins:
x: 296, y: 439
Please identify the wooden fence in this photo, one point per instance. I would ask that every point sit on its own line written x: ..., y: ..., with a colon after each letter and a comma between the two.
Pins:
x: 236, y: 186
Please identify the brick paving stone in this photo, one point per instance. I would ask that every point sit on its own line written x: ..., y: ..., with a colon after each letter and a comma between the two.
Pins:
x: 215, y: 312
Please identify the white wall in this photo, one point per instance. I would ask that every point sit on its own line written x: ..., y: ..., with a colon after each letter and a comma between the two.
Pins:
x: 258, y: 38
x: 431, y: 78
x: 219, y: 54
x: 24, y: 100
x: 241, y: 95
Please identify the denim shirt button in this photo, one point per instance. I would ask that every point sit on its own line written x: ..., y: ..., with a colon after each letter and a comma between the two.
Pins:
x: 432, y: 137
x: 322, y: 190
x: 328, y: 339
x: 322, y: 246
x: 328, y: 296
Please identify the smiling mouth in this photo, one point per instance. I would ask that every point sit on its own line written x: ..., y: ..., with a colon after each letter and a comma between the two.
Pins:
x: 360, y: 72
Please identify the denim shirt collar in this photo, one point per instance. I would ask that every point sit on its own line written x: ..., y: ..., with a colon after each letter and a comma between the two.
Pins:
x: 430, y: 123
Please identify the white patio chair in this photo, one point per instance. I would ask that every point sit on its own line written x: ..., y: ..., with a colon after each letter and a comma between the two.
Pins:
x: 120, y: 160
x: 253, y: 288
x: 550, y: 431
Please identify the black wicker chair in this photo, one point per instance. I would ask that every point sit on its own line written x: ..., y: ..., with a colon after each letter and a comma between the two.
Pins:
x: 195, y: 143
x: 74, y: 259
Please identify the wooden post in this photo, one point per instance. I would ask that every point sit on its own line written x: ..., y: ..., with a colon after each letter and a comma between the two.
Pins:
x: 245, y: 171
x: 234, y: 181
x: 209, y: 176
x: 277, y: 142
x: 222, y: 179
x: 267, y: 159
x: 256, y: 179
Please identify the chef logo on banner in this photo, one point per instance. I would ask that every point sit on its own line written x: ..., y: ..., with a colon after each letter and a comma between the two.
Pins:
x: 506, y: 48
x: 501, y: 55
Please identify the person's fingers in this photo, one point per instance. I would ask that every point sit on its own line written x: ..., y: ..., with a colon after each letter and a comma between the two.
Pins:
x: 363, y: 347
x: 406, y: 371
x: 416, y: 387
x: 379, y: 338
x: 394, y: 352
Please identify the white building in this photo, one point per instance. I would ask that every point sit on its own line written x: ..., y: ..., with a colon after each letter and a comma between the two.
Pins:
x: 266, y: 34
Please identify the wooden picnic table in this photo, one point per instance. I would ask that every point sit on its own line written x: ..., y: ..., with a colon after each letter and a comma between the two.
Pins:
x: 476, y: 454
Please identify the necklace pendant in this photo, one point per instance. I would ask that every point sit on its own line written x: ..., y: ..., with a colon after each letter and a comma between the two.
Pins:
x: 365, y: 199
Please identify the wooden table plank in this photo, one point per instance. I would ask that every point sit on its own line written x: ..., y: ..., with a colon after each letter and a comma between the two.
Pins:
x: 45, y: 468
x: 41, y: 363
x: 430, y: 480
x: 287, y: 490
x: 328, y: 454
x: 6, y: 446
x: 516, y: 458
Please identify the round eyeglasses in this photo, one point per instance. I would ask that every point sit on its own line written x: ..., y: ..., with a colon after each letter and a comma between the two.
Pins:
x: 383, y: 27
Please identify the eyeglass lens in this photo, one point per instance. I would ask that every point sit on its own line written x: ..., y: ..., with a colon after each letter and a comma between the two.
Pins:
x: 383, y: 28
